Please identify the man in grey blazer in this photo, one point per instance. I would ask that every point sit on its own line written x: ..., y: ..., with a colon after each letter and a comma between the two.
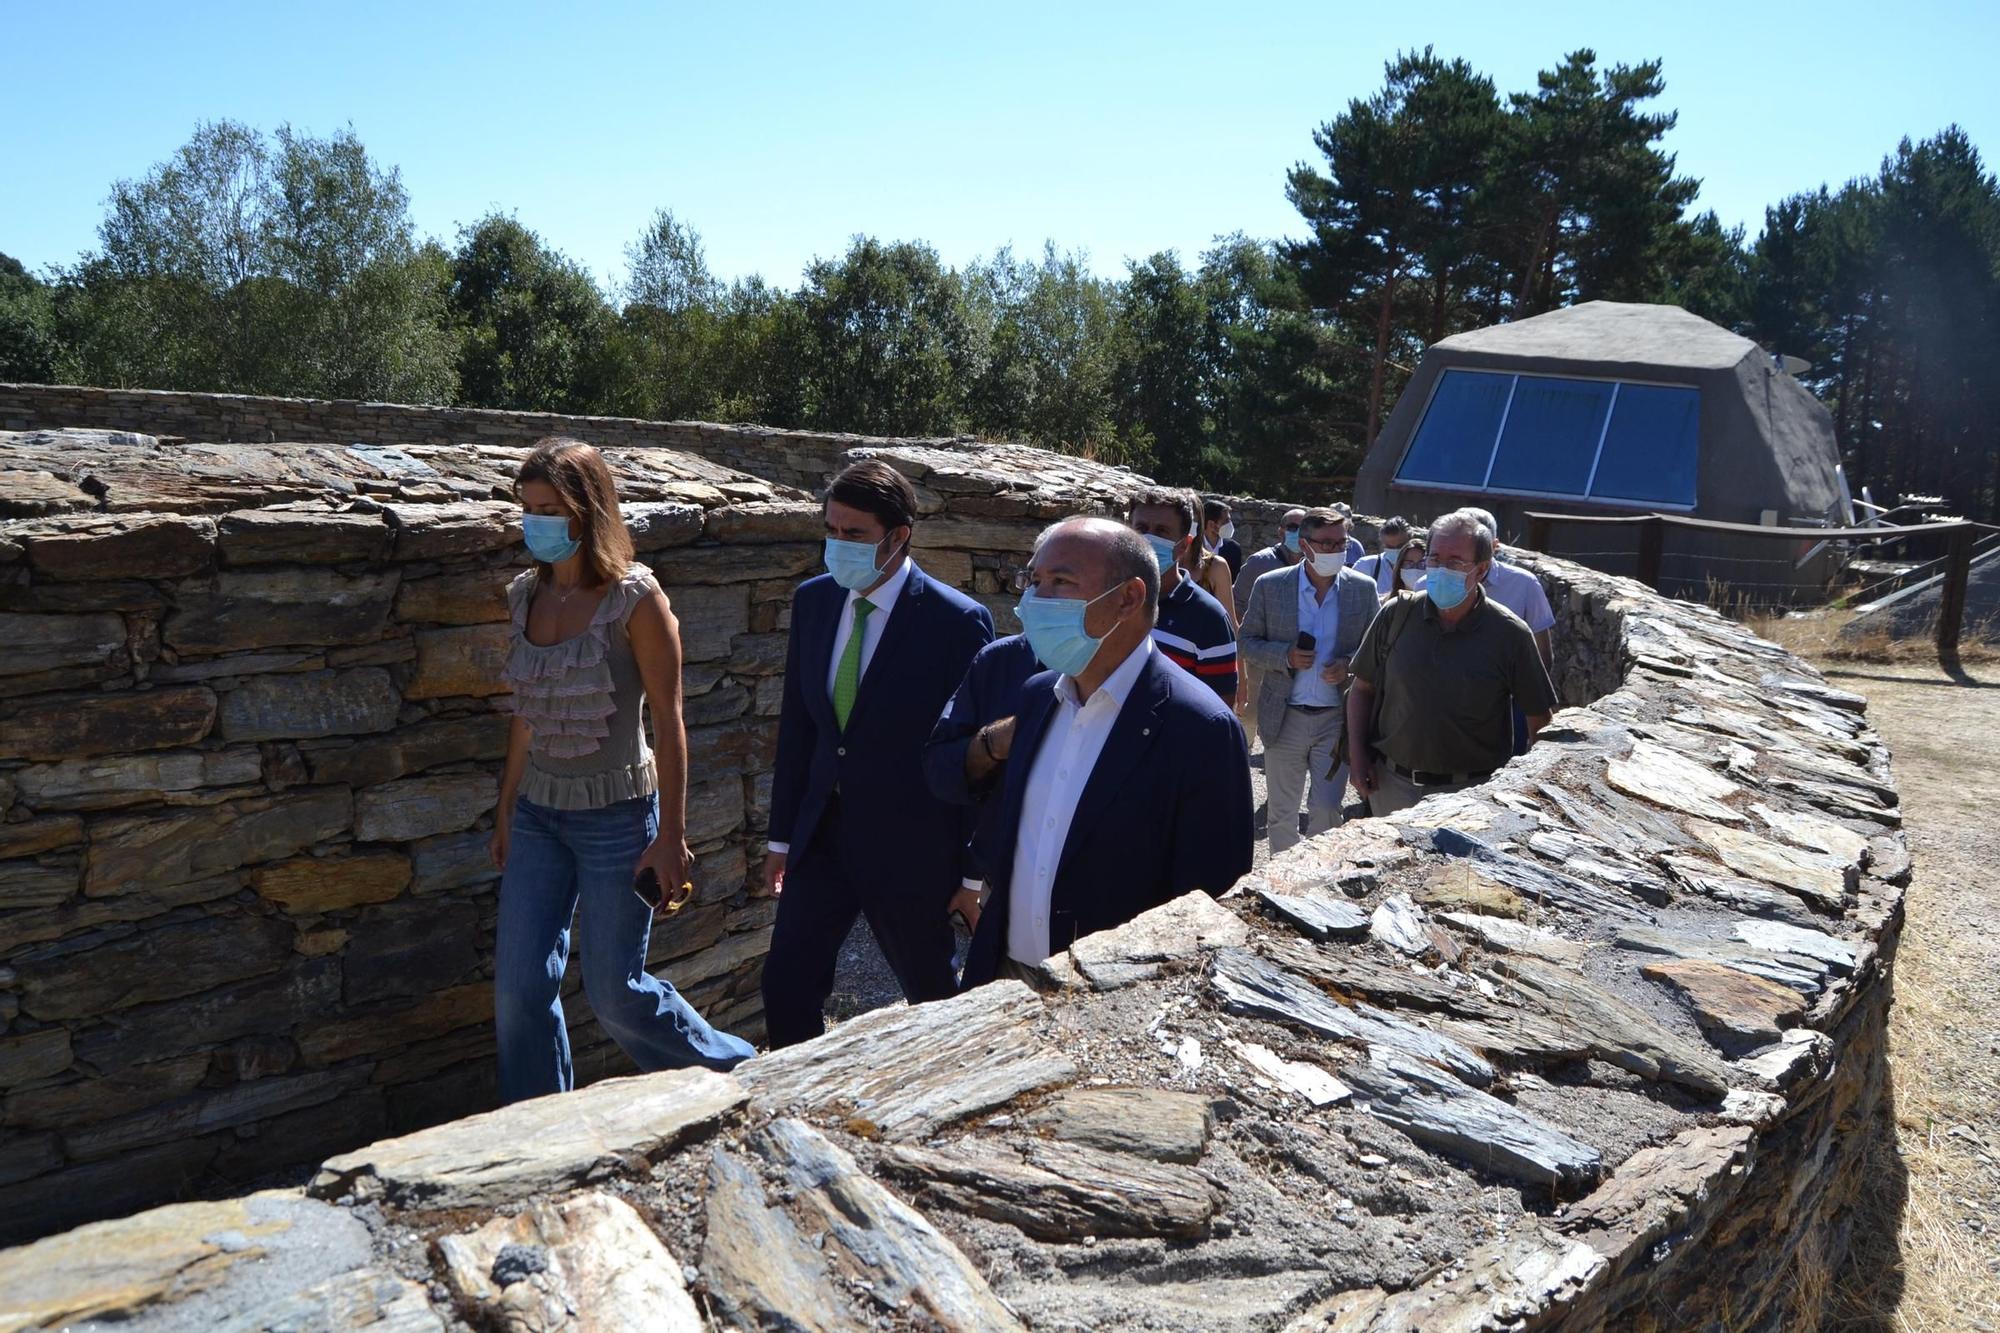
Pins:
x: 1300, y: 708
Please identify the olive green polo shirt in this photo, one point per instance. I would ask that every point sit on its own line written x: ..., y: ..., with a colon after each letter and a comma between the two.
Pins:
x: 1445, y: 694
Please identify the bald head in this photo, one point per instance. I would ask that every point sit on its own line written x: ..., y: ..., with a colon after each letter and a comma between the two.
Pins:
x: 1084, y: 557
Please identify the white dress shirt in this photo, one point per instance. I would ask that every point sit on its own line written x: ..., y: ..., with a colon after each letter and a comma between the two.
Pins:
x: 883, y: 599
x: 1321, y: 619
x: 1063, y: 765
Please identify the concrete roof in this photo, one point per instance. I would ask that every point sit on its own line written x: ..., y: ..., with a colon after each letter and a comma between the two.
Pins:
x: 1663, y: 335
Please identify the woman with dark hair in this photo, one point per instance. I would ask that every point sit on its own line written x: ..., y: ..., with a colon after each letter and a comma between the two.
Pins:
x: 589, y: 814
x: 1409, y: 568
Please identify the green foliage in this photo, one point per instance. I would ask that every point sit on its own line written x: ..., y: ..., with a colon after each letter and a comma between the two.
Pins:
x: 885, y: 347
x: 535, y: 334
x: 1891, y: 288
x: 244, y: 266
x: 287, y: 264
x: 27, y: 316
x: 1441, y: 209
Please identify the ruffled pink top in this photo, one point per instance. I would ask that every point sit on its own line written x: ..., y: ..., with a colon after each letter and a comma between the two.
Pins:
x: 582, y: 700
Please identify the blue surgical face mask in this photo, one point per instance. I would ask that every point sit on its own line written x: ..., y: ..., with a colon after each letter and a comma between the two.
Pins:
x: 852, y: 564
x: 1292, y: 540
x: 1447, y: 587
x: 548, y: 539
x: 1163, y: 551
x: 1054, y: 626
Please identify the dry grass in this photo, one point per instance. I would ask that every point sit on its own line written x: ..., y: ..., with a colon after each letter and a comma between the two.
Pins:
x: 1816, y: 636
x: 1917, y: 1268
x: 1927, y: 1256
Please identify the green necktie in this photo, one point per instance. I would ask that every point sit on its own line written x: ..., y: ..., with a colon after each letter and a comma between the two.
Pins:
x: 847, y: 680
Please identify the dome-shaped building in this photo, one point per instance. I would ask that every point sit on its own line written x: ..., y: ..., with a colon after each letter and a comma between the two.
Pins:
x: 1615, y: 408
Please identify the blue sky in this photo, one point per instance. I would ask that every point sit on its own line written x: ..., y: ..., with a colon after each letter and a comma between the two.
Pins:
x: 780, y: 130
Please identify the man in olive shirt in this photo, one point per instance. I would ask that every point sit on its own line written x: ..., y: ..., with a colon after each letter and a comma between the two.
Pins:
x: 1437, y: 677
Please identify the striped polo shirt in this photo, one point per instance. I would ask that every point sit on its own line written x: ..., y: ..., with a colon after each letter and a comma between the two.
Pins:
x: 1194, y: 632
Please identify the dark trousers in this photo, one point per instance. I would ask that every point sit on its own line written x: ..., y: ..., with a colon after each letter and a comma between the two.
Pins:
x: 824, y: 892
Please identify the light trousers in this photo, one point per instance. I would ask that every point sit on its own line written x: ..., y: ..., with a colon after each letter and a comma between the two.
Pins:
x: 1296, y: 763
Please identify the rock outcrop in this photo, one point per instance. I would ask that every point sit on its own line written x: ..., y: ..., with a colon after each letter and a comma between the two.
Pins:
x: 1517, y: 1057
x: 1529, y: 1111
x: 249, y: 748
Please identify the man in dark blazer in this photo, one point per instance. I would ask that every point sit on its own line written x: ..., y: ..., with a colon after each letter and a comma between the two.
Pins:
x: 877, y: 647
x: 967, y: 752
x: 1127, y: 783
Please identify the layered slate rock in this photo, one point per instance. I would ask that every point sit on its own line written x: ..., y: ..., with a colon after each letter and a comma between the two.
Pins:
x: 1252, y: 1113
x: 1060, y: 1192
x: 206, y: 1265
x: 543, y: 1144
x: 906, y: 1263
x: 1737, y: 1005
x: 1157, y: 1123
x: 906, y: 1073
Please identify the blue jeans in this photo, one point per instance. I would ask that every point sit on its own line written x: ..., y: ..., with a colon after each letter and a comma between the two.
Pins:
x: 555, y: 858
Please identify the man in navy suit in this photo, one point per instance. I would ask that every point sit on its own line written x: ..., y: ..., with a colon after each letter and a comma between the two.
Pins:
x: 967, y: 751
x: 1127, y: 784
x: 877, y: 647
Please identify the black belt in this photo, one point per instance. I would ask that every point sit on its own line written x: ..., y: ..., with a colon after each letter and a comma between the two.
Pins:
x: 1422, y: 778
x: 1315, y: 708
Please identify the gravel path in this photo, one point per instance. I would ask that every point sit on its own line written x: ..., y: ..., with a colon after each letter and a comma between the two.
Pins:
x: 1929, y: 1256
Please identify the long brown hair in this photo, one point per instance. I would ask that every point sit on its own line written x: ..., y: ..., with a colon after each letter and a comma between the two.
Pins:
x: 578, y: 474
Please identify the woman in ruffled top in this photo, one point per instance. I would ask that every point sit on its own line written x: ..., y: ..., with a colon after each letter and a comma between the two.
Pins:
x: 587, y: 809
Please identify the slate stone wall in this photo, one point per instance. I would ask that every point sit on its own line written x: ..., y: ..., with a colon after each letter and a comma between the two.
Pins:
x: 1597, y: 1044
x: 249, y: 742
x: 248, y: 765
x: 1608, y: 1046
x: 801, y: 459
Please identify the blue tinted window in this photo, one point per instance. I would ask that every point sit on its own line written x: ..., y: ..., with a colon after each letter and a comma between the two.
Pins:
x: 1551, y: 435
x: 1455, y: 438
x: 1649, y: 452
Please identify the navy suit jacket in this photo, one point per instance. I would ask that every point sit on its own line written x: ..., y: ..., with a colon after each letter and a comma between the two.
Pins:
x: 893, y: 830
x: 990, y: 691
x: 1166, y: 810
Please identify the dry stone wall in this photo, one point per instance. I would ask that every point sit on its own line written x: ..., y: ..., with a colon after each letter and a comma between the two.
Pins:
x: 249, y: 744
x: 1598, y: 1044
x: 801, y: 459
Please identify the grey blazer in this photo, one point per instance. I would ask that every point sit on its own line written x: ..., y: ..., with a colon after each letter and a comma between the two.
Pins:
x: 1271, y: 626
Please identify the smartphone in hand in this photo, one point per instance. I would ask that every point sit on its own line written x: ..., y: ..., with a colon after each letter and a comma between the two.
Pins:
x: 1306, y: 642
x: 647, y: 886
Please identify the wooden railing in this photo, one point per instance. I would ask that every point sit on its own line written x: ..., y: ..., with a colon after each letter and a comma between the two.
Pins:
x: 1959, y: 536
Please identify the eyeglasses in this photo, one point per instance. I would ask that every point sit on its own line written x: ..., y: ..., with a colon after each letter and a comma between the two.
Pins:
x: 1455, y: 566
